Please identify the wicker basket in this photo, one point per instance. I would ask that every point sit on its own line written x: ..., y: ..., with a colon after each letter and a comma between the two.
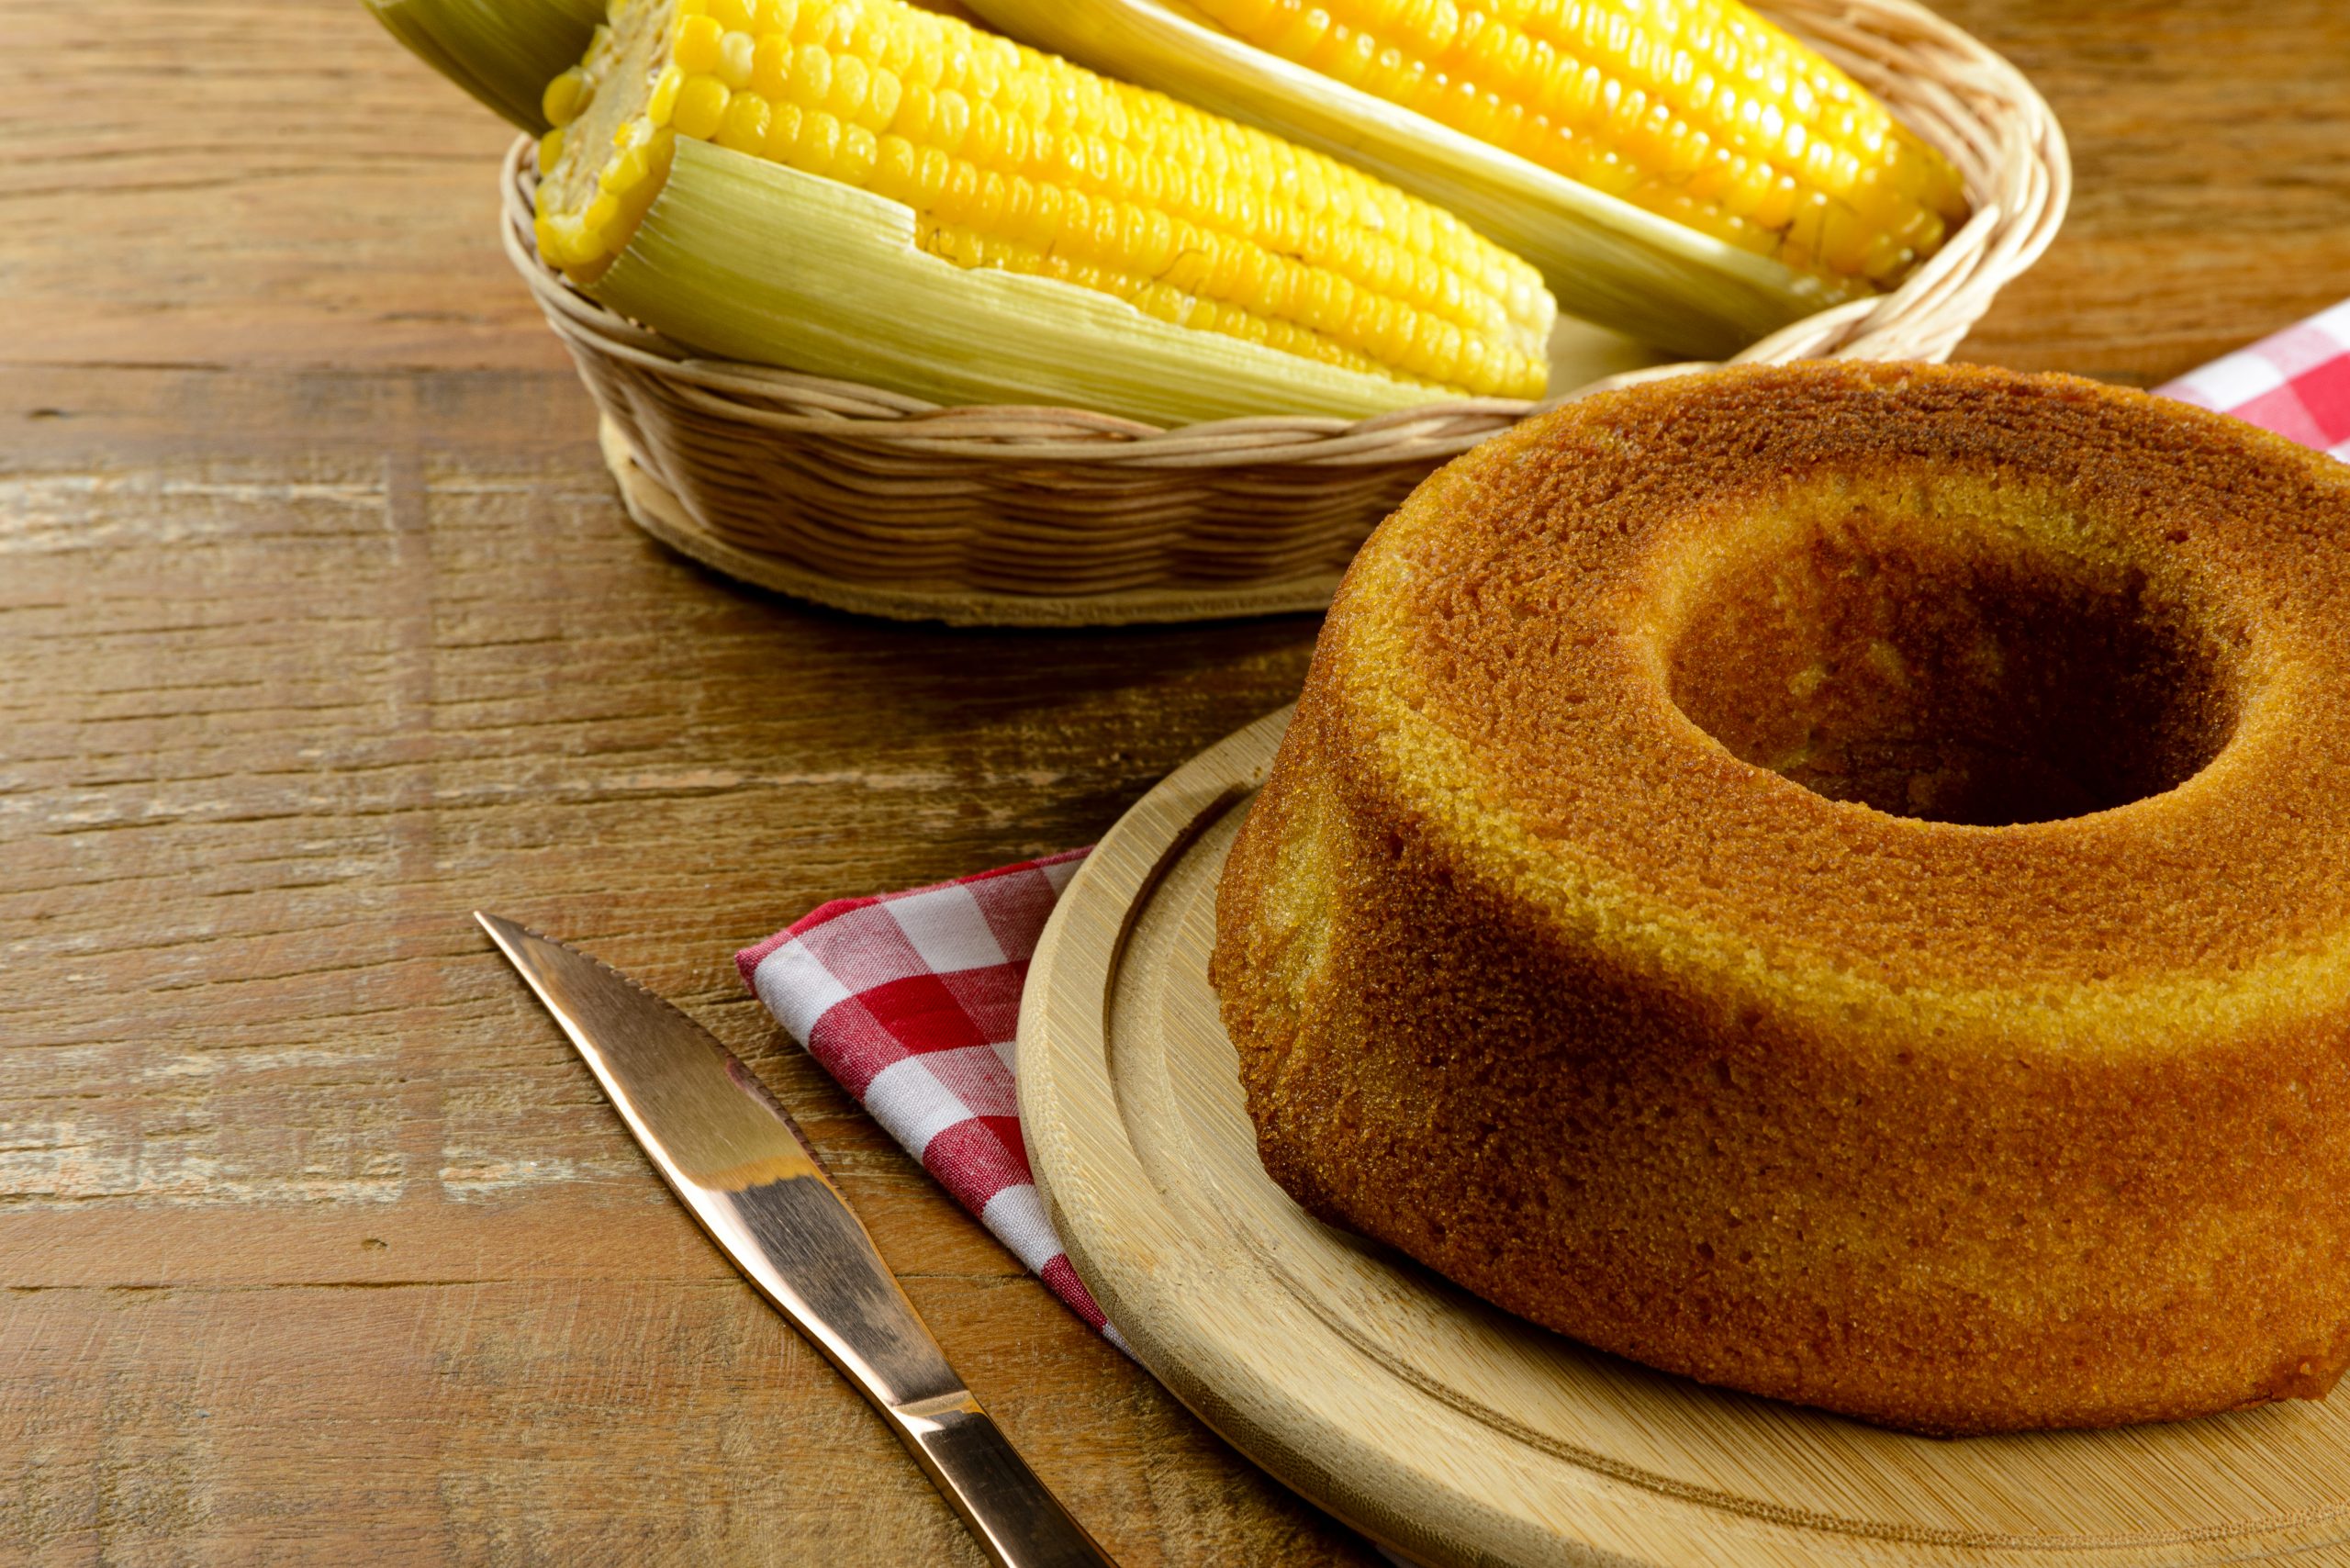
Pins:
x: 870, y: 501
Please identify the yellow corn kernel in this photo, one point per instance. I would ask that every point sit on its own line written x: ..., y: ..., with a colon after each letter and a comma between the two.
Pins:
x: 561, y: 101
x: 735, y: 57
x: 662, y: 104
x: 818, y: 147
x: 698, y: 45
x: 744, y: 127
x: 853, y: 164
x: 702, y: 103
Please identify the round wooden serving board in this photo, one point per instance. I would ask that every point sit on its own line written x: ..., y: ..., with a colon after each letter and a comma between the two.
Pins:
x: 1460, y: 1435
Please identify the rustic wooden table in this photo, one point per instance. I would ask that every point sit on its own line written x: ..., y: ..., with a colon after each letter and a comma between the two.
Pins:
x: 321, y: 625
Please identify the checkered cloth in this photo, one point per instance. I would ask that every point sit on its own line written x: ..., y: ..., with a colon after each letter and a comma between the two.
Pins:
x: 2296, y: 383
x: 910, y: 999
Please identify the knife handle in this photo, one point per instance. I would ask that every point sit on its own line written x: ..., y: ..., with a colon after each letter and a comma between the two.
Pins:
x: 1016, y: 1520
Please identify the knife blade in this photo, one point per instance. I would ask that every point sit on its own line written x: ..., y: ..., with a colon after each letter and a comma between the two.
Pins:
x: 741, y: 1167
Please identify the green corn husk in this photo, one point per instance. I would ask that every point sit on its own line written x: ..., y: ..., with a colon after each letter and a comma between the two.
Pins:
x: 1606, y: 260
x: 502, y: 52
x: 758, y: 261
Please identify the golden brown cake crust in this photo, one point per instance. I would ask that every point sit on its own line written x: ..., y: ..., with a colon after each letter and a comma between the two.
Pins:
x: 1650, y: 922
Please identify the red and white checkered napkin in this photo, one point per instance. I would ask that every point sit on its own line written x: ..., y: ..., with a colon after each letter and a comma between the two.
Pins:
x: 2296, y: 383
x: 910, y: 999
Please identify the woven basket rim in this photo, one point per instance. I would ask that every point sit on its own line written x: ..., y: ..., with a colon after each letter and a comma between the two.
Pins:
x: 1967, y: 99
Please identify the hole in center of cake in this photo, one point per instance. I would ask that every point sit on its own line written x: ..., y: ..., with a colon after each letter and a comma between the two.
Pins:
x: 1937, y: 670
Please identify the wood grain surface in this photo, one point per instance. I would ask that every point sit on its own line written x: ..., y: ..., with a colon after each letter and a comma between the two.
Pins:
x: 321, y: 625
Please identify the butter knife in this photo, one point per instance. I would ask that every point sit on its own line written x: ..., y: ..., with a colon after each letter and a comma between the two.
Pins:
x: 743, y: 1169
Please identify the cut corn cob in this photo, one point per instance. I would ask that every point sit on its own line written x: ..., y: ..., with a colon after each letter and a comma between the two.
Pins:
x: 502, y: 52
x: 1565, y: 128
x: 1012, y: 162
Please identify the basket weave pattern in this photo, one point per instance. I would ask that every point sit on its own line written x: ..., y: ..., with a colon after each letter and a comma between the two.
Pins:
x: 880, y: 502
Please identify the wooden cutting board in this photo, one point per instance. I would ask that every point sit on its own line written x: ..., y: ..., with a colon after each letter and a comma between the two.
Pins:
x: 1460, y: 1435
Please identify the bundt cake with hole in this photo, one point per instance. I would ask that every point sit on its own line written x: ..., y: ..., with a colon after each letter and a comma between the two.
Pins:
x: 1835, y: 881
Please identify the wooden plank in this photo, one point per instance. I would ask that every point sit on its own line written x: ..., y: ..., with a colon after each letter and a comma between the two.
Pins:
x: 506, y: 1420
x: 276, y: 724
x: 2212, y: 203
x: 268, y: 183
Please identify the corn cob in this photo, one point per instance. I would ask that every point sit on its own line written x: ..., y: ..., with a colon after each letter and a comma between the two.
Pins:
x: 1636, y: 151
x: 1016, y: 162
x: 1697, y: 110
